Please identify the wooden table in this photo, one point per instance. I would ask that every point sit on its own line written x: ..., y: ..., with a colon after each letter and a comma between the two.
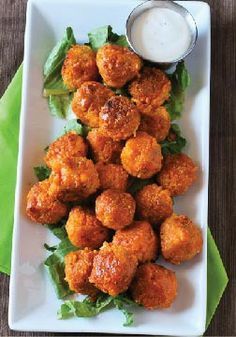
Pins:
x: 222, y: 193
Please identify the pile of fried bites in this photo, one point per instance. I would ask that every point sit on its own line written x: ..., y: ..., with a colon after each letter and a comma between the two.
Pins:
x: 120, y: 236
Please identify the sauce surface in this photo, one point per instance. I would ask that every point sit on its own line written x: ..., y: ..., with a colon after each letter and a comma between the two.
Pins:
x: 160, y: 34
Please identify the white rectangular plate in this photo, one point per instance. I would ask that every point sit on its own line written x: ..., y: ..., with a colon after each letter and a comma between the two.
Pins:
x: 33, y: 304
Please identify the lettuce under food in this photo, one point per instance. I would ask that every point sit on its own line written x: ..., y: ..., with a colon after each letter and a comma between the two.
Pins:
x: 55, y: 262
x: 180, y: 80
x: 102, y: 35
x: 53, y: 83
x: 174, y: 143
x: 88, y: 308
x: 42, y: 172
x: 77, y: 126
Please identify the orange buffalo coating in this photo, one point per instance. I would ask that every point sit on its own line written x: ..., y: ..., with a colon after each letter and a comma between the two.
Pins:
x: 181, y: 239
x: 141, y: 157
x: 112, y: 176
x: 150, y: 90
x: 113, y: 269
x: 70, y: 145
x: 84, y: 229
x: 115, y: 209
x: 154, y: 203
x: 154, y: 286
x: 156, y: 125
x: 117, y: 65
x: 119, y: 118
x: 79, y: 66
x: 103, y: 147
x: 139, y: 239
x: 76, y: 180
x: 178, y: 173
x: 88, y: 101
x: 43, y: 207
x: 78, y: 267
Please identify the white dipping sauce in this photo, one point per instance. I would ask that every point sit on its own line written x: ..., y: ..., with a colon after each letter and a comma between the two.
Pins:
x: 160, y: 34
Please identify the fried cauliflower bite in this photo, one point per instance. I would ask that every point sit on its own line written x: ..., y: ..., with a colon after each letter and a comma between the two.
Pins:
x: 76, y: 180
x: 84, y: 229
x: 43, y: 207
x: 154, y: 286
x: 79, y: 66
x: 88, y: 101
x: 119, y: 118
x: 112, y: 176
x: 181, y: 239
x: 117, y: 65
x: 154, y: 203
x: 115, y: 209
x: 150, y: 90
x: 103, y: 148
x: 177, y: 174
x: 141, y: 157
x: 78, y: 267
x: 113, y: 269
x: 68, y: 146
x: 139, y: 239
x: 156, y: 125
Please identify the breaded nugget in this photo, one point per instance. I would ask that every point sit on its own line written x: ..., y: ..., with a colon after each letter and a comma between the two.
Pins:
x: 115, y: 209
x: 112, y: 176
x: 181, y: 239
x: 103, y: 147
x: 177, y: 174
x: 76, y: 180
x: 154, y: 203
x: 150, y: 90
x: 156, y: 125
x: 113, y: 269
x: 78, y: 267
x: 154, y: 286
x: 119, y: 118
x: 43, y: 207
x: 141, y: 157
x: 117, y: 65
x: 88, y: 101
x: 139, y: 239
x: 70, y: 145
x: 79, y: 66
x: 84, y: 229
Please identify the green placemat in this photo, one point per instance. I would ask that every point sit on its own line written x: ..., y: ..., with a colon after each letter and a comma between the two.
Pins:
x: 9, y: 130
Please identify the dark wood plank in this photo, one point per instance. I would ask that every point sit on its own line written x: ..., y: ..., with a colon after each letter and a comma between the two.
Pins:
x: 222, y: 198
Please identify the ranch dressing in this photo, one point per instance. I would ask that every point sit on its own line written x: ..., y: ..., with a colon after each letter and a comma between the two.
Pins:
x: 160, y: 35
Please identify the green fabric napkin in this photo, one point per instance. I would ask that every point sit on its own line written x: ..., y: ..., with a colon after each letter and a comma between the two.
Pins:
x: 9, y: 130
x: 10, y: 105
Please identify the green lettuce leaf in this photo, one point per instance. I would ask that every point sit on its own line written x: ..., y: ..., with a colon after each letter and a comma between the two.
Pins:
x: 53, y: 65
x: 56, y: 270
x: 87, y: 308
x: 58, y: 229
x: 59, y: 97
x: 137, y: 184
x: 174, y: 143
x: 50, y: 248
x: 121, y: 302
x: 180, y: 80
x: 60, y: 105
x: 64, y: 248
x: 99, y: 36
x: 55, y: 262
x: 42, y: 172
x: 77, y: 126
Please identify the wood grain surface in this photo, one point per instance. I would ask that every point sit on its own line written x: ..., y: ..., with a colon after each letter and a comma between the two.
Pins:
x: 222, y: 192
